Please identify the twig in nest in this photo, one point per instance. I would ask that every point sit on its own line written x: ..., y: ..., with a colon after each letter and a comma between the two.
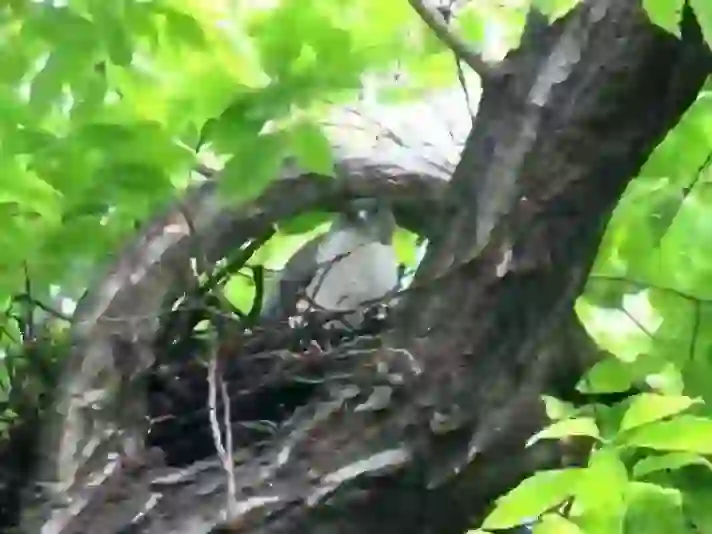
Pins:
x: 258, y: 275
x: 28, y: 331
x: 224, y: 452
x: 184, y: 320
x: 26, y: 298
x: 238, y: 261
x: 436, y: 22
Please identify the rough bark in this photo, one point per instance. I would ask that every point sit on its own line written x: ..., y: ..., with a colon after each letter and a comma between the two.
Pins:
x: 563, y: 125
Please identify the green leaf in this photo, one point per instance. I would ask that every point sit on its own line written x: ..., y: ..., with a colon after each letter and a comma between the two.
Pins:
x: 312, y: 148
x: 29, y: 192
x: 118, y: 41
x: 654, y: 510
x: 46, y: 87
x: 243, y: 119
x: 281, y: 36
x: 698, y: 507
x: 18, y: 238
x: 141, y: 143
x: 683, y: 433
x: 5, y: 383
x: 434, y: 70
x: 600, y: 494
x: 533, y: 497
x: 665, y: 13
x: 605, y: 469
x: 113, y: 28
x: 554, y: 9
x: 406, y: 246
x: 671, y: 461
x: 648, y: 407
x: 10, y: 334
x: 602, y: 293
x: 240, y: 291
x: 88, y: 95
x: 697, y: 375
x: 132, y: 184
x: 703, y: 12
x: 667, y: 380
x: 557, y: 409
x: 16, y: 59
x: 182, y: 28
x: 610, y: 375
x: 70, y: 240
x: 305, y: 222
x: 471, y: 24
x: 13, y: 110
x: 274, y: 254
x: 614, y: 331
x: 663, y: 209
x: 254, y: 164
x: 576, y: 426
x: 61, y: 29
x: 556, y: 524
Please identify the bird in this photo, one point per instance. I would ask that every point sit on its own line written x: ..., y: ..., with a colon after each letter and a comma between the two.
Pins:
x: 350, y: 266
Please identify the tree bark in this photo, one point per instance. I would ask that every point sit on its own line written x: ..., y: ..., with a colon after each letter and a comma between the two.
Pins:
x: 563, y: 125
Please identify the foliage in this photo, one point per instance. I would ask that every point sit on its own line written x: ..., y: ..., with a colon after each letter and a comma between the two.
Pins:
x: 106, y: 108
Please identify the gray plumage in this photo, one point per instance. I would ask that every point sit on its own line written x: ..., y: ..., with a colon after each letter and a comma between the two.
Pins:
x: 353, y: 263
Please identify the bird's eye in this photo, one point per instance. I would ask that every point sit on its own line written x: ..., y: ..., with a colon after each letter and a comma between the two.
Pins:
x: 362, y: 215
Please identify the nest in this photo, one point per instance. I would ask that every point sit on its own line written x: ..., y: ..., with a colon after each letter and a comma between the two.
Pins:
x: 270, y: 370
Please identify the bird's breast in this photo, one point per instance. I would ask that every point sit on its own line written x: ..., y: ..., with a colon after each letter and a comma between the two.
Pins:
x: 353, y: 270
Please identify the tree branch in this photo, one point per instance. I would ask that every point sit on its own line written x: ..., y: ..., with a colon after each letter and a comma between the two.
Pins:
x: 462, y: 49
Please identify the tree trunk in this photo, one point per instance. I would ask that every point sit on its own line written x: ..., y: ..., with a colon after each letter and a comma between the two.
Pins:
x: 563, y: 125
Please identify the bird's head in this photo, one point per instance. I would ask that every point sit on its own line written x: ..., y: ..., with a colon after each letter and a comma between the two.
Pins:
x: 371, y: 216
